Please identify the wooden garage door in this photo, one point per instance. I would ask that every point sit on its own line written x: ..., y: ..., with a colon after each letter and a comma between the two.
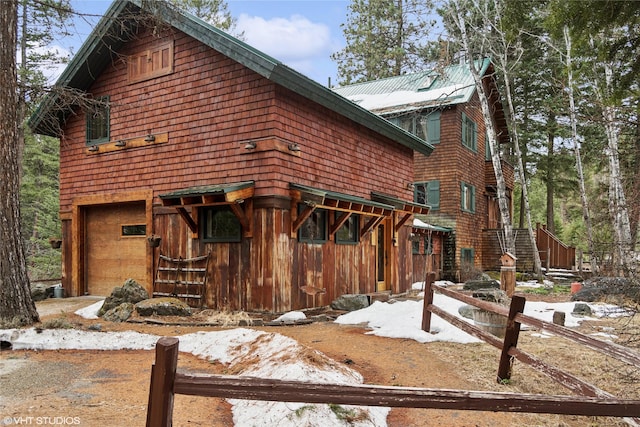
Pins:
x: 115, y: 246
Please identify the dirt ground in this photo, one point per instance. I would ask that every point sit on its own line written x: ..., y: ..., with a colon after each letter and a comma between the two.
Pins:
x: 110, y: 388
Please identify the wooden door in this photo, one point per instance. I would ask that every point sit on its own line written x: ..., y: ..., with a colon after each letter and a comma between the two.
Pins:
x: 383, y: 258
x: 115, y: 247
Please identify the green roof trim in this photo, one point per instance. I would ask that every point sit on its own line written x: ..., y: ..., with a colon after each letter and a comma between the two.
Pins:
x: 206, y: 190
x: 400, y: 204
x: 95, y: 55
x: 317, y: 195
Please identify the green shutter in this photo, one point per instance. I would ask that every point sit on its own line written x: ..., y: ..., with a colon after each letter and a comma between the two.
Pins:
x: 464, y: 129
x: 433, y: 194
x: 433, y: 128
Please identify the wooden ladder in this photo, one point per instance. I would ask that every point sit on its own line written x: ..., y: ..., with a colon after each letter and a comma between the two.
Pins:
x: 184, y: 278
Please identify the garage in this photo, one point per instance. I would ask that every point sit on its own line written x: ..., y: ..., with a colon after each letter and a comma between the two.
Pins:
x: 115, y: 247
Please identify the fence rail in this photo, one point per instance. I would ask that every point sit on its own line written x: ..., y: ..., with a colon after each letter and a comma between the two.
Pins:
x: 508, y: 346
x: 165, y: 383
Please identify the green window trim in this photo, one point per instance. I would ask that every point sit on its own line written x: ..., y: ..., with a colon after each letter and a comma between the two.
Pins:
x: 218, y: 224
x: 427, y: 193
x: 349, y: 232
x: 98, y: 122
x: 469, y: 133
x: 425, y: 125
x: 467, y: 197
x: 467, y: 256
x: 314, y: 229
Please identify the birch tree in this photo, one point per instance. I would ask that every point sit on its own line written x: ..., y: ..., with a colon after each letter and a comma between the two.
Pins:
x: 576, y: 148
x: 460, y: 12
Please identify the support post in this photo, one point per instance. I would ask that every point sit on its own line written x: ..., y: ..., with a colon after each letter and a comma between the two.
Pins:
x: 428, y: 300
x: 163, y: 372
x: 510, y: 338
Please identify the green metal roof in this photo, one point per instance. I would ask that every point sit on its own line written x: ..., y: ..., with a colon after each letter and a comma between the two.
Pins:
x: 317, y: 195
x: 112, y: 32
x: 450, y: 85
x: 207, y: 190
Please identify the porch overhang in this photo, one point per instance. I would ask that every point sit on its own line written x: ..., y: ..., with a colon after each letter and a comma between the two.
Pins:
x: 238, y: 196
x: 404, y: 208
x: 315, y: 198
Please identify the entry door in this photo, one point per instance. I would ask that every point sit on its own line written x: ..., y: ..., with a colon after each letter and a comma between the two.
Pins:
x: 383, y: 259
x: 115, y: 246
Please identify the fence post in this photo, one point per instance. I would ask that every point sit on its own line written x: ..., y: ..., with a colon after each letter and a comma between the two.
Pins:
x: 428, y: 299
x: 510, y: 337
x: 163, y: 372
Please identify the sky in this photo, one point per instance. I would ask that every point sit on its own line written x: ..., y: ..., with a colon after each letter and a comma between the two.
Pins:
x: 300, y: 33
x: 236, y: 348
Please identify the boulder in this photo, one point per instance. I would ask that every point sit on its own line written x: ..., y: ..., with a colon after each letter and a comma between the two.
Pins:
x: 131, y: 292
x: 467, y: 311
x: 163, y: 307
x: 120, y: 313
x: 492, y: 295
x: 41, y: 292
x: 581, y: 309
x: 350, y: 302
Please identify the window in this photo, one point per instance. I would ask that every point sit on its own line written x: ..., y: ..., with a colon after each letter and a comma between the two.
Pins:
x: 468, y: 197
x: 154, y: 62
x: 425, y: 126
x: 314, y: 229
x: 427, y: 193
x: 134, y: 230
x: 469, y: 133
x: 350, y: 230
x: 98, y: 122
x: 427, y: 249
x: 219, y: 224
x: 466, y: 256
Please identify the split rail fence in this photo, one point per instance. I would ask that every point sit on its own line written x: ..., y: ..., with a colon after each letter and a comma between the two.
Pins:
x: 166, y: 382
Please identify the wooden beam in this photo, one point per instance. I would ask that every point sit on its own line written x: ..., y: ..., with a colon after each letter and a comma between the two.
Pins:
x: 244, y: 216
x: 402, y: 221
x: 127, y: 143
x: 374, y: 221
x: 302, y: 217
x: 340, y: 220
x: 191, y: 223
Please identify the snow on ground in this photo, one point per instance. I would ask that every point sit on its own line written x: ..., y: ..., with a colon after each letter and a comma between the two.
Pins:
x: 270, y: 355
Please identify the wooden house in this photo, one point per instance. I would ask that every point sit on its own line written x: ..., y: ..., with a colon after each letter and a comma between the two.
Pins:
x: 457, y: 180
x: 188, y: 144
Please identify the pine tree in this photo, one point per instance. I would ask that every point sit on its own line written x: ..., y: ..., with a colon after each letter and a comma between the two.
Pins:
x: 384, y: 38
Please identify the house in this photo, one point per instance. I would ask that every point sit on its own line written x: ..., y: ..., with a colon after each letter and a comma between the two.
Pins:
x: 457, y: 180
x: 191, y: 145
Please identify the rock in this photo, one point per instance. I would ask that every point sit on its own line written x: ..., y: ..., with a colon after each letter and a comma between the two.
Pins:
x: 492, y: 295
x: 120, y: 313
x: 131, y: 292
x: 472, y: 285
x: 581, y: 309
x: 95, y: 327
x: 599, y: 288
x: 163, y: 307
x: 466, y: 311
x: 39, y: 292
x: 350, y: 302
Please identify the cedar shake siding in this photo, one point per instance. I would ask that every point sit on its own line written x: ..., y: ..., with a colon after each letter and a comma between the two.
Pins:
x: 269, y: 147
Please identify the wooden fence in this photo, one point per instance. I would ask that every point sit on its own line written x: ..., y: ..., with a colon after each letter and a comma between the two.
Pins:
x: 508, y: 346
x: 554, y: 253
x: 166, y: 381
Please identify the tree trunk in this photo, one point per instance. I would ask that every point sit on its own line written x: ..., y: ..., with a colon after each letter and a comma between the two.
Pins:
x: 576, y: 147
x: 505, y: 214
x: 551, y: 135
x: 16, y: 305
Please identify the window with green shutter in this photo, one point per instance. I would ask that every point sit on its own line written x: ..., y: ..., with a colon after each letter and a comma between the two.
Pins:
x: 469, y: 133
x: 425, y: 126
x: 427, y: 193
x: 467, y: 197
